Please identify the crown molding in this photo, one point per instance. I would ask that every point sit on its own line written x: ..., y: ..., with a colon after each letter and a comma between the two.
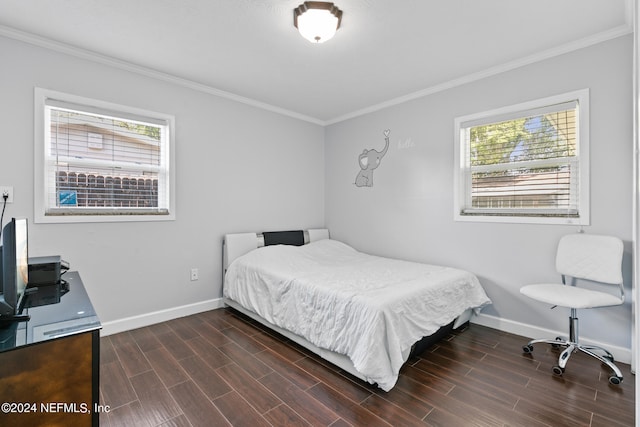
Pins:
x: 67, y: 49
x: 613, y: 33
x: 77, y: 52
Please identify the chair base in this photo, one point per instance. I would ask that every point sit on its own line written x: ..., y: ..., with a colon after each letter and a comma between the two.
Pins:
x: 572, y: 347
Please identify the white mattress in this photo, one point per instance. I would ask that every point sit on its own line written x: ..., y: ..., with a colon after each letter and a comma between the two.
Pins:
x: 369, y: 308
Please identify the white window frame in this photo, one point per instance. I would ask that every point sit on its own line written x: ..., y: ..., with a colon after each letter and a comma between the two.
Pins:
x: 462, y: 176
x: 42, y: 135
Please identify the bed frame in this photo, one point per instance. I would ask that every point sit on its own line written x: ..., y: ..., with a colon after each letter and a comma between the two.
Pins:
x: 238, y: 244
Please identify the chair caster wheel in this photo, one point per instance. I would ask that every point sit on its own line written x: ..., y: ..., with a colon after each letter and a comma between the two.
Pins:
x: 557, y: 370
x: 558, y: 345
x: 615, y: 380
x: 527, y: 348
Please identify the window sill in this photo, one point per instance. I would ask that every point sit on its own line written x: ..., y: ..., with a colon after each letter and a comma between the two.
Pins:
x: 550, y: 220
x: 42, y: 218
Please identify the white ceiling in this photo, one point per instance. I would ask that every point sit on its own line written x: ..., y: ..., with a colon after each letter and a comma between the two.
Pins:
x: 385, y: 50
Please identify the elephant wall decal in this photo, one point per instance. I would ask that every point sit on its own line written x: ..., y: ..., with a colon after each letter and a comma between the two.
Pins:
x: 369, y: 160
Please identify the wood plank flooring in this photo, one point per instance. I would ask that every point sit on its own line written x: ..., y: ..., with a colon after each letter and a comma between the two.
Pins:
x: 219, y: 368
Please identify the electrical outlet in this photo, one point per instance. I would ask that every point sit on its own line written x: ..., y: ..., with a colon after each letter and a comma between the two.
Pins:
x: 194, y: 274
x: 8, y: 191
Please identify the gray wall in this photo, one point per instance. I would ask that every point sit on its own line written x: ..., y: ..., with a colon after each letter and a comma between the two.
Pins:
x: 409, y: 211
x: 261, y: 171
x: 257, y: 170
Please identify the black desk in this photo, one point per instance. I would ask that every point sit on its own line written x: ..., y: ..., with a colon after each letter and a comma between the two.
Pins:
x: 50, y: 365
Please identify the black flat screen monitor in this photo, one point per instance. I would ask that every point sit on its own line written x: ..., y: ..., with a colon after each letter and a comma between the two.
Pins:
x: 15, y: 267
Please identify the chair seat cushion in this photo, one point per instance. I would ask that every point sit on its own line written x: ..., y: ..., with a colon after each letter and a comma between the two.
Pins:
x: 569, y: 296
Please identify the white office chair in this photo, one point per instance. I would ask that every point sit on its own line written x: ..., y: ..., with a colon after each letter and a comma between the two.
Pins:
x: 589, y: 257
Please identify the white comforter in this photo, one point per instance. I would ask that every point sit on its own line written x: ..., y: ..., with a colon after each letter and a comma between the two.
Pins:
x: 369, y: 308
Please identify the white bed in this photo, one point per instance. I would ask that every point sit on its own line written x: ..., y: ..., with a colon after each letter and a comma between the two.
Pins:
x: 361, y: 312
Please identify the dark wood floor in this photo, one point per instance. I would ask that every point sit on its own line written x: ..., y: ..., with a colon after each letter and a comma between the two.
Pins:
x: 218, y: 368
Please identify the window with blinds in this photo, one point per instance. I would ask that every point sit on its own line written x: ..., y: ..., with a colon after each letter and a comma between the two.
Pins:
x: 100, y: 160
x: 525, y: 163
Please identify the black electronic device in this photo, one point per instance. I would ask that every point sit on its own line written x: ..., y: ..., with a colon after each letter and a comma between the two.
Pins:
x: 46, y: 270
x: 15, y: 271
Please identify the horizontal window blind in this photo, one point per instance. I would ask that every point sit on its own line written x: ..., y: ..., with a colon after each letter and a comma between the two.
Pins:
x: 100, y: 163
x: 523, y: 163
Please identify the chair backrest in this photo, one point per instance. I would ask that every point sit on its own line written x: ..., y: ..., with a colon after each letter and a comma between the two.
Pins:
x: 591, y: 257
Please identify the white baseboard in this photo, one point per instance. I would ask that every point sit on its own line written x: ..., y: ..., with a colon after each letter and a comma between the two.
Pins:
x: 620, y: 354
x: 141, y: 320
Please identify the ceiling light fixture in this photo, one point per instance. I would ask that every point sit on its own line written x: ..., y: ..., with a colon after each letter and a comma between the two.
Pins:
x: 317, y: 21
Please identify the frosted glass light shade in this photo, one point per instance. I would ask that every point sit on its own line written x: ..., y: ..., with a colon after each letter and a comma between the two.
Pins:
x: 317, y: 21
